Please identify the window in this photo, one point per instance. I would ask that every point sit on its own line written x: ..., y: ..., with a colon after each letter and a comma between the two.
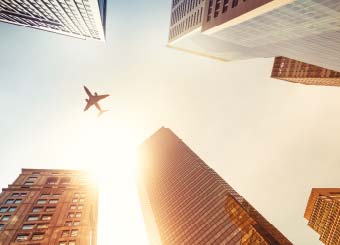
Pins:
x: 32, y: 179
x: 3, y: 210
x: 1, y: 226
x: 68, y: 223
x: 28, y: 183
x: 74, y: 200
x: 76, y: 223
x: 12, y: 209
x: 18, y: 201
x: 45, y: 195
x: 15, y: 194
x: 62, y: 243
x: 9, y: 201
x: 80, y: 207
x: 78, y: 215
x: 27, y: 227
x: 65, y: 233
x: 73, y: 207
x: 37, y: 209
x: 50, y: 209
x: 5, y: 218
x: 46, y: 217
x: 76, y: 195
x: 32, y: 218
x: 56, y: 195
x: 53, y: 201
x: 38, y: 236
x: 74, y: 233
x: 42, y: 226
x: 70, y: 215
x: 65, y: 181
x: 23, y: 194
x: 81, y: 200
x: 52, y: 181
x: 72, y: 243
x: 22, y: 237
x: 41, y: 201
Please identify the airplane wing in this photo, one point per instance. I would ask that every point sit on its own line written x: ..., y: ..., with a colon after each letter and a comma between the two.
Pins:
x: 98, y: 106
x: 87, y: 91
x: 100, y: 97
x: 88, y: 105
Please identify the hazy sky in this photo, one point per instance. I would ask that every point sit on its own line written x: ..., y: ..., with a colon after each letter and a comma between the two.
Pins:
x: 271, y: 140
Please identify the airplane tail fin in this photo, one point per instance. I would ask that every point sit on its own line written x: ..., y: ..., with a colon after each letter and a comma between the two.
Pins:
x: 101, y: 112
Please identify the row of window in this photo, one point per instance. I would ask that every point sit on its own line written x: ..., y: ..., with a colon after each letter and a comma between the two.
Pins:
x: 191, y: 21
x: 13, y: 201
x: 67, y: 243
x: 33, y: 237
x: 185, y: 7
x: 217, y: 11
x: 7, y: 209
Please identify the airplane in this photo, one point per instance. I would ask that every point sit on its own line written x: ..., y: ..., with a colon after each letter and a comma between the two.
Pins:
x: 93, y: 100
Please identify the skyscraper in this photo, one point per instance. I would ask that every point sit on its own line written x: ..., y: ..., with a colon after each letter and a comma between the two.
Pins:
x: 186, y: 202
x: 81, y: 19
x: 300, y: 72
x: 304, y: 30
x: 49, y: 207
x: 323, y: 214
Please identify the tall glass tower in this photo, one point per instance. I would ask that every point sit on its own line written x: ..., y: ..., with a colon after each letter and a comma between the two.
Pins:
x: 81, y: 19
x: 184, y: 201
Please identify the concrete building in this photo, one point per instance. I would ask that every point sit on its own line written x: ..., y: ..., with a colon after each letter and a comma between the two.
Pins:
x: 323, y: 214
x: 49, y: 207
x: 184, y: 201
x: 300, y: 72
x: 81, y: 19
x: 304, y: 30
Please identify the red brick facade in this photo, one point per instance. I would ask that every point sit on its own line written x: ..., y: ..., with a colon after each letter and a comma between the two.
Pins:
x: 299, y: 72
x: 55, y: 207
x: 323, y: 214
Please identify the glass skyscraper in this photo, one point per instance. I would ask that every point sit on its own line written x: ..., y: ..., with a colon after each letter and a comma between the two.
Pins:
x: 304, y: 30
x: 184, y: 201
x: 81, y: 19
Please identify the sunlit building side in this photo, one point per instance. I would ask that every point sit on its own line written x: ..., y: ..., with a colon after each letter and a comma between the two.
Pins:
x: 304, y: 30
x: 299, y: 72
x: 55, y: 207
x: 81, y: 19
x: 184, y: 201
x: 323, y: 214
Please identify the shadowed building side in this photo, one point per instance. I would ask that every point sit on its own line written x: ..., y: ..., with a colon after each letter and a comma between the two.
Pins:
x: 323, y: 214
x: 49, y: 207
x: 190, y: 203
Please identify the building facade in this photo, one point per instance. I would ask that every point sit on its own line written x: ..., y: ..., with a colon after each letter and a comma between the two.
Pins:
x: 81, y: 19
x: 300, y: 72
x: 323, y: 214
x: 184, y: 201
x: 304, y: 30
x: 49, y: 207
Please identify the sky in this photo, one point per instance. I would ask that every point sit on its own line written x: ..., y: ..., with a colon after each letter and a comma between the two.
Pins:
x: 271, y: 140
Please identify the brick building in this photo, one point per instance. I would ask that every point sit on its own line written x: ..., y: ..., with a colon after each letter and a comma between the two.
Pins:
x: 55, y: 207
x: 300, y: 72
x: 323, y: 214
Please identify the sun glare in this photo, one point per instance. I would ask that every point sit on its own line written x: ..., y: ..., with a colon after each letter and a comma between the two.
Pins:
x: 110, y: 150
